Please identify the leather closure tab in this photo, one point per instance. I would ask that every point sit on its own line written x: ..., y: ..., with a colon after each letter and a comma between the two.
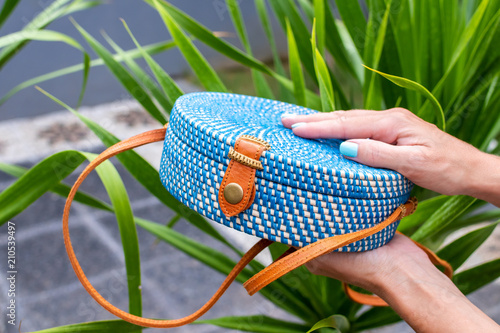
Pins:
x: 241, y: 174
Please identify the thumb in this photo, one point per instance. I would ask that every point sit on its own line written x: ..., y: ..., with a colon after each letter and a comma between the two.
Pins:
x: 375, y: 153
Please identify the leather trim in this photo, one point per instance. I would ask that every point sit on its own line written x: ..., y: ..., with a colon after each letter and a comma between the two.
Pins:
x: 303, y: 255
x: 242, y: 175
x: 136, y: 141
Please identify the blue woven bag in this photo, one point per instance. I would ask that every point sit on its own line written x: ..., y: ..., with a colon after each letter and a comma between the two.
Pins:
x: 229, y: 158
x: 306, y: 190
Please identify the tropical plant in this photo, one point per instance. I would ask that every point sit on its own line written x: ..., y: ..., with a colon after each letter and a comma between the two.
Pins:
x: 12, y: 43
x: 439, y: 59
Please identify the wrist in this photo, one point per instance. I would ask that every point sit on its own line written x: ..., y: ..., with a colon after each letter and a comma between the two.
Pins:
x: 408, y: 277
x: 423, y: 296
x: 429, y: 302
x: 420, y: 280
x: 483, y: 178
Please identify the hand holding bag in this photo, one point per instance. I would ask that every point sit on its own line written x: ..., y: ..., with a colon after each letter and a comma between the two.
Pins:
x: 229, y: 158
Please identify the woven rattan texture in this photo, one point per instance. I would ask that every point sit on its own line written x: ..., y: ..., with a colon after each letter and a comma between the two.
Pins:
x: 307, y: 190
x: 211, y: 123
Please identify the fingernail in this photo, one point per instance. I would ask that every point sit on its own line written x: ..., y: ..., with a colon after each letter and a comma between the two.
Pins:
x: 287, y: 115
x: 349, y: 149
x: 297, y: 125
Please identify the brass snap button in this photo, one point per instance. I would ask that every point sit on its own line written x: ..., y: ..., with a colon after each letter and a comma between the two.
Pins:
x: 233, y: 193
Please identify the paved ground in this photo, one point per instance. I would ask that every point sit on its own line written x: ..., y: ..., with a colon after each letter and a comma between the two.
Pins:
x: 47, y: 292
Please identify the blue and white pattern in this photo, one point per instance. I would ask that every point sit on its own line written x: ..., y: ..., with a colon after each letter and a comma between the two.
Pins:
x: 307, y: 190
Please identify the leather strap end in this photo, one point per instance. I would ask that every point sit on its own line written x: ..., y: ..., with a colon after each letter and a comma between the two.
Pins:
x: 314, y: 250
x: 237, y: 189
x: 372, y: 300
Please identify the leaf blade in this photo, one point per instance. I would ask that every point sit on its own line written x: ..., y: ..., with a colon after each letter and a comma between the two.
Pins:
x: 38, y: 180
x: 445, y: 215
x: 151, y: 49
x: 104, y: 326
x: 373, y: 99
x: 60, y: 189
x: 123, y: 211
x: 7, y: 8
x: 474, y: 278
x: 338, y: 322
x: 55, y: 10
x: 205, y: 73
x: 141, y: 76
x: 170, y: 88
x: 125, y: 78
x: 323, y: 76
x: 355, y: 21
x: 458, y: 251
x: 258, y: 324
x: 299, y: 85
x: 405, y: 83
x: 425, y: 209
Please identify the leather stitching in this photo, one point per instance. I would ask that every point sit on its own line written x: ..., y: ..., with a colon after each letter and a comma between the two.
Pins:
x: 249, y: 173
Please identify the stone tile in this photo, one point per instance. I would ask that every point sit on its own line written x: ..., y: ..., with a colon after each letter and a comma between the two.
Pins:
x: 43, y: 264
x: 148, y: 245
x: 173, y: 286
x: 135, y: 190
x: 73, y: 305
x: 185, y: 285
x: 38, y: 137
x: 77, y: 306
x: 49, y: 207
x: 181, y: 284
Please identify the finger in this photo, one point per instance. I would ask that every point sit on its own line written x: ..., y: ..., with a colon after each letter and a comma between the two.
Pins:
x: 373, y: 126
x: 376, y: 153
x: 288, y: 119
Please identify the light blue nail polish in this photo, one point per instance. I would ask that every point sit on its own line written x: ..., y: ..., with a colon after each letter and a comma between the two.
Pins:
x: 349, y: 149
x: 297, y: 125
x: 287, y: 115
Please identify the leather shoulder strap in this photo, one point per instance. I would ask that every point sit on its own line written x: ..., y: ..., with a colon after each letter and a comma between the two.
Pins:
x: 133, y: 142
x: 294, y: 258
x: 288, y: 263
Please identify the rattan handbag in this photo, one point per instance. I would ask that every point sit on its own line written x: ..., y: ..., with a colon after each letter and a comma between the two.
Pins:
x: 229, y: 158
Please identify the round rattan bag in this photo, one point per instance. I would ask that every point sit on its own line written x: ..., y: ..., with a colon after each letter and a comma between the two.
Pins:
x: 305, y: 191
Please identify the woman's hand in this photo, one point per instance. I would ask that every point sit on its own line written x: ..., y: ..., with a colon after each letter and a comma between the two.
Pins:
x: 373, y: 270
x: 402, y: 274
x: 397, y: 139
